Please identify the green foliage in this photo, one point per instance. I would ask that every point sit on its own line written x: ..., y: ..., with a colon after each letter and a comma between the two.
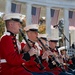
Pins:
x: 2, y: 26
x: 20, y: 37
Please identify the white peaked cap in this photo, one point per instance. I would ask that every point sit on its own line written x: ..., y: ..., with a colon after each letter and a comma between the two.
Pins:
x: 12, y: 15
x: 54, y: 39
x: 42, y: 35
x: 32, y: 26
x: 62, y: 48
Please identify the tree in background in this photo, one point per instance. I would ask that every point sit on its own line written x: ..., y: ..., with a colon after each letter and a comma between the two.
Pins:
x: 2, y: 26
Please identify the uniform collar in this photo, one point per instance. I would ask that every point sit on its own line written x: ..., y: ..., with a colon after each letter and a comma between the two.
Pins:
x: 11, y: 33
x: 51, y: 48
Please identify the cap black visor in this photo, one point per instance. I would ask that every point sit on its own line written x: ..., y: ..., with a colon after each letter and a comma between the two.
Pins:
x: 33, y: 30
x: 44, y: 38
x: 15, y: 19
x: 54, y: 40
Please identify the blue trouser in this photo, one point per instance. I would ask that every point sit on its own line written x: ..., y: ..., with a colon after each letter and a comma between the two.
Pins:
x: 43, y: 73
x: 66, y: 73
x: 72, y: 71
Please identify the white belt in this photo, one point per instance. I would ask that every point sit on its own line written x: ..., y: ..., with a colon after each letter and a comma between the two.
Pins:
x: 3, y: 61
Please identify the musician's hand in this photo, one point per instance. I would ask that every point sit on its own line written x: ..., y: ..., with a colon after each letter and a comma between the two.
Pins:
x: 32, y: 51
x: 50, y: 53
x: 26, y: 48
x: 45, y: 55
x: 55, y: 54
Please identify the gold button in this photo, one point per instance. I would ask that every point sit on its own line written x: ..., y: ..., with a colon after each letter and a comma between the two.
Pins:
x: 14, y: 41
x: 14, y: 49
x: 0, y: 70
x: 14, y: 45
x: 0, y: 67
x: 23, y: 64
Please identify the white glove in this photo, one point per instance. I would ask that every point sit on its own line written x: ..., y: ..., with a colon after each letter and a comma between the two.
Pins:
x: 45, y: 55
x: 32, y: 51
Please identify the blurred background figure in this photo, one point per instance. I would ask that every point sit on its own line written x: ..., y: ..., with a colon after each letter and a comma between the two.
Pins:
x: 73, y: 45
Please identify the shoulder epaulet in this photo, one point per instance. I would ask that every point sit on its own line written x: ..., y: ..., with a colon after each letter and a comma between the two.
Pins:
x: 5, y: 33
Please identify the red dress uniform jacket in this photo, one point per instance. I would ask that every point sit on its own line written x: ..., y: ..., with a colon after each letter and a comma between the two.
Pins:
x: 55, y: 69
x: 33, y: 65
x: 14, y: 61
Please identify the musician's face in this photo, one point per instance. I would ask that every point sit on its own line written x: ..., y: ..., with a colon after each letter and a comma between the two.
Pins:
x: 52, y: 44
x: 14, y: 26
x: 63, y: 52
x: 33, y: 35
x: 44, y: 41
